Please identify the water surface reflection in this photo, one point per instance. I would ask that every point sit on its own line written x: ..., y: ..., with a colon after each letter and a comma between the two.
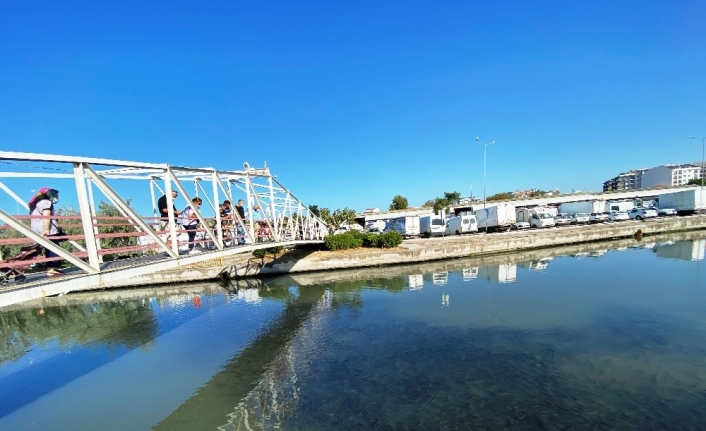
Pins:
x: 592, y: 337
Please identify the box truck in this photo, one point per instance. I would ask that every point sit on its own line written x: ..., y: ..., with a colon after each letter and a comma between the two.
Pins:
x: 406, y: 226
x: 587, y: 207
x: 536, y: 217
x: 685, y: 202
x: 461, y: 224
x: 432, y: 225
x: 496, y: 218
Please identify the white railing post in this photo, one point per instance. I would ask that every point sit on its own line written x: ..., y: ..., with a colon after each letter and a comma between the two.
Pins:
x: 93, y: 215
x: 215, y: 181
x: 276, y: 227
x: 86, y: 216
x: 170, y: 212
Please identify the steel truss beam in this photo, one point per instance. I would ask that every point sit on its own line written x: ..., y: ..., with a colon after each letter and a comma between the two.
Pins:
x: 282, y: 212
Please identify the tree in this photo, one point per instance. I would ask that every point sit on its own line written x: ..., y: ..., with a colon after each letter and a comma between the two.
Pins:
x: 344, y: 216
x: 452, y: 198
x: 429, y: 203
x: 694, y: 182
x: 314, y: 210
x: 114, y: 227
x: 500, y: 196
x: 339, y: 217
x: 449, y: 199
x: 399, y: 203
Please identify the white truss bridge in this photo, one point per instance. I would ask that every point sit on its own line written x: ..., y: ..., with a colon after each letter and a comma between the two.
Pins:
x: 100, y: 242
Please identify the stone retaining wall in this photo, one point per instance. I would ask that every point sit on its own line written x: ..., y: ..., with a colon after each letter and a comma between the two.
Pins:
x: 480, y: 244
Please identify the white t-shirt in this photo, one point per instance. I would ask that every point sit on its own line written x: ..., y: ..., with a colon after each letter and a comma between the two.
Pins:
x: 37, y: 225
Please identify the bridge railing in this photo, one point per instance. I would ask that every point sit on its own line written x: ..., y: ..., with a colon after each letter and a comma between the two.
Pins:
x: 113, y: 229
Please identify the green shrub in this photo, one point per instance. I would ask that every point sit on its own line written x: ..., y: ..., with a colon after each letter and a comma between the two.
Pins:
x: 343, y: 241
x: 389, y: 239
x: 357, y: 235
x: 371, y: 240
x: 262, y: 252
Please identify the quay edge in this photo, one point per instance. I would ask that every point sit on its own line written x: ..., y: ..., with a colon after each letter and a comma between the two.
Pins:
x: 476, y: 245
x: 301, y: 261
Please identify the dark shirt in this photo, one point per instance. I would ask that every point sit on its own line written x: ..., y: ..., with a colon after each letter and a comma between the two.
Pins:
x: 162, y: 205
x: 241, y: 212
x: 226, y: 212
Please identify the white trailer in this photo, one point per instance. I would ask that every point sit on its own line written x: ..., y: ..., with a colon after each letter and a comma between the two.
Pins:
x: 432, y: 225
x: 624, y: 206
x: 379, y: 225
x: 685, y: 202
x: 536, y: 217
x: 461, y: 224
x: 496, y: 217
x: 587, y: 207
x: 552, y: 211
x: 406, y: 226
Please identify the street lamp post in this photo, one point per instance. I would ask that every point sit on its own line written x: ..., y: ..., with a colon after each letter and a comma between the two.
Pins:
x: 701, y: 191
x: 485, y: 151
x: 471, y: 187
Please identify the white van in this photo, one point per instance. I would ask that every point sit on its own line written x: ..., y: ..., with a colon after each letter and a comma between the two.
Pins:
x: 461, y: 224
x: 431, y: 225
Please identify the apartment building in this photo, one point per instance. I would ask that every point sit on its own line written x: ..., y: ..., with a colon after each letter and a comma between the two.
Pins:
x: 671, y: 175
x: 626, y: 181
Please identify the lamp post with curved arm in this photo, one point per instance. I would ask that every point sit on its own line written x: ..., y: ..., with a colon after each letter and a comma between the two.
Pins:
x: 485, y: 150
x: 701, y: 190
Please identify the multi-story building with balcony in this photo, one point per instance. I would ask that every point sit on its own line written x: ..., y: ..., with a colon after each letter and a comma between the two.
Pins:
x: 626, y: 181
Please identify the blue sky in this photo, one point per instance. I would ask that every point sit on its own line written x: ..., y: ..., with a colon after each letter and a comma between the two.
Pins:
x: 351, y: 104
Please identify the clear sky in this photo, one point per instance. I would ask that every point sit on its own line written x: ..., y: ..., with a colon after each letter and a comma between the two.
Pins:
x: 353, y: 103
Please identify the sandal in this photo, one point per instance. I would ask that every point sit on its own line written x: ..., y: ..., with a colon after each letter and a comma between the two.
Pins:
x: 54, y: 273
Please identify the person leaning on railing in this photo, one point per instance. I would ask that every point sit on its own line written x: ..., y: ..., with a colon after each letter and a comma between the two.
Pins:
x: 190, y: 221
x: 227, y: 220
x: 240, y: 230
x: 164, y: 213
x: 41, y: 207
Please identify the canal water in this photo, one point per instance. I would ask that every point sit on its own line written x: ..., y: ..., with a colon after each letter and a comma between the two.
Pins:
x: 596, y: 337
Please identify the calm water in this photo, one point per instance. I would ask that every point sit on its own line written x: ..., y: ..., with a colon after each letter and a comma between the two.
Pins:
x: 583, y: 338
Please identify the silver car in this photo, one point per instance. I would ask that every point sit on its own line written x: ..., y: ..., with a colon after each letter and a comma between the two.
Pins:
x: 642, y: 213
x: 580, y: 218
x: 598, y: 217
x: 663, y: 212
x: 562, y: 220
x: 618, y: 216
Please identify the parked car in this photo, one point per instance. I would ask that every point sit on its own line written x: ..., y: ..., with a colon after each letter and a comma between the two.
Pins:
x: 375, y: 230
x: 580, y: 218
x: 598, y: 218
x: 642, y: 213
x: 666, y: 212
x: 562, y: 220
x: 522, y: 225
x: 618, y: 216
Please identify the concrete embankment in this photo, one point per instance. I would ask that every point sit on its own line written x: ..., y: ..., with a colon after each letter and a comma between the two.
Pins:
x: 519, y: 257
x: 476, y: 245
